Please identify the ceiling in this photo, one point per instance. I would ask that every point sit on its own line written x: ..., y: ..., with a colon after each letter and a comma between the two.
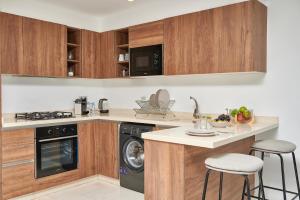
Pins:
x: 98, y: 7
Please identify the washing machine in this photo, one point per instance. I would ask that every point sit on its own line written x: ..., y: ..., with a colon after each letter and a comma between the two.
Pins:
x: 132, y: 155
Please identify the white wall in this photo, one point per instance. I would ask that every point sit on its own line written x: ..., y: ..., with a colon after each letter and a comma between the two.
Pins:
x: 275, y: 94
x: 48, y: 12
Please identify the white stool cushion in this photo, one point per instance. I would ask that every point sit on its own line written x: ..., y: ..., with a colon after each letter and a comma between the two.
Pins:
x: 234, y: 163
x: 274, y: 146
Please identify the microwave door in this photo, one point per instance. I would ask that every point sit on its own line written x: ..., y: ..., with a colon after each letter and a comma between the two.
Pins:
x: 145, y: 61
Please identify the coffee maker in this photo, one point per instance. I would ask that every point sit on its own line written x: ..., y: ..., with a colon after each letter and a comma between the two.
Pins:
x: 81, y: 106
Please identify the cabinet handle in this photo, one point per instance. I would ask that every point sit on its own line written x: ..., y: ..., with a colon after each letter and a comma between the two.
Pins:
x: 17, y: 163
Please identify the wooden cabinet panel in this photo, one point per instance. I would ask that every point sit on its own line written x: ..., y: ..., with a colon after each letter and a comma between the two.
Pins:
x: 55, y: 180
x: 91, y: 54
x: 177, y: 44
x: 44, y: 48
x: 16, y: 137
x: 225, y: 39
x: 16, y: 153
x: 146, y: 34
x: 11, y: 44
x: 107, y: 149
x: 87, y: 163
x: 108, y: 56
x: 17, y: 145
x: 17, y: 180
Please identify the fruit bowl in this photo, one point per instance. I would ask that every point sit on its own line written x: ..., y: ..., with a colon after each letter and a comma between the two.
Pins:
x: 243, y: 115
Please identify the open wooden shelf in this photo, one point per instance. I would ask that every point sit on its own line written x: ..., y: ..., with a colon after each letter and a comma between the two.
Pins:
x: 124, y: 62
x: 73, y: 61
x: 123, y: 46
x: 73, y: 45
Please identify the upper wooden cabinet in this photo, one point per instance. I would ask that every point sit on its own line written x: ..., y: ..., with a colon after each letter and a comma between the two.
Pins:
x: 11, y: 44
x: 226, y: 39
x: 91, y: 54
x: 108, y: 58
x: 146, y: 34
x: 45, y: 48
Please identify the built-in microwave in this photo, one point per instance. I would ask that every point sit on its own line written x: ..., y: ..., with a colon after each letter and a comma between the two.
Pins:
x: 146, y: 61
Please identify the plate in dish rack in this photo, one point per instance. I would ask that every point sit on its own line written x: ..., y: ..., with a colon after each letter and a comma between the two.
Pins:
x: 200, y: 132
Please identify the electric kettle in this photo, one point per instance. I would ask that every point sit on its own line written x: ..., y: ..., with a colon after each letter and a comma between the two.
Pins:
x: 103, y: 106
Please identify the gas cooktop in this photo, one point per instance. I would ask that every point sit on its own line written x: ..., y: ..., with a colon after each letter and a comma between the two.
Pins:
x: 44, y: 115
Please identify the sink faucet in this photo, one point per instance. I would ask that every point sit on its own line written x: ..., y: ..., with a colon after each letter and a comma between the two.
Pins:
x: 196, y: 114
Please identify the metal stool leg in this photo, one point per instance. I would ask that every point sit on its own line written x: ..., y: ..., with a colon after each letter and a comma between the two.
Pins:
x: 261, y: 186
x: 244, y: 188
x: 205, y: 184
x: 248, y: 187
x: 283, y: 176
x: 296, y: 173
x: 221, y: 186
x: 261, y: 182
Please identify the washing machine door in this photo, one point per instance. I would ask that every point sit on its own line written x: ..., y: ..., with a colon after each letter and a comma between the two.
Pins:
x: 133, y: 154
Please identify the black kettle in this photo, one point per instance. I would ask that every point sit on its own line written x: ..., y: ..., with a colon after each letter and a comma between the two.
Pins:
x: 103, y: 106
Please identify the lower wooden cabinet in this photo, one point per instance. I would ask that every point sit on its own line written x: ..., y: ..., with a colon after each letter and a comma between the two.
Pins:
x: 17, y: 180
x: 86, y: 149
x: 107, y: 148
x: 17, y: 167
x: 98, y: 149
x: 98, y: 154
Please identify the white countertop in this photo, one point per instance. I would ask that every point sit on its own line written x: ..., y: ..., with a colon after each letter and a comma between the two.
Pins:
x: 120, y: 115
x: 177, y: 135
x: 237, y: 132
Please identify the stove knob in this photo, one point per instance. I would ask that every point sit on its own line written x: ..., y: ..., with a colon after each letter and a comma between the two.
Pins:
x: 50, y: 132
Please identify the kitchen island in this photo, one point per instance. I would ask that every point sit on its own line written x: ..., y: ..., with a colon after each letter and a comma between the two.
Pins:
x: 174, y: 161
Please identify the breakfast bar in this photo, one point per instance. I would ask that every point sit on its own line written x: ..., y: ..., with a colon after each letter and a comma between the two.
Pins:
x: 174, y: 161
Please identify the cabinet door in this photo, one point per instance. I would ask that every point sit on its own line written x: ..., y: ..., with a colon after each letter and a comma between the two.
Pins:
x: 108, y: 56
x: 17, y: 145
x: 107, y: 150
x: 11, y: 44
x: 225, y: 39
x: 91, y: 54
x: 86, y: 147
x: 177, y: 44
x: 17, y: 180
x: 17, y: 150
x: 44, y: 48
x: 146, y: 34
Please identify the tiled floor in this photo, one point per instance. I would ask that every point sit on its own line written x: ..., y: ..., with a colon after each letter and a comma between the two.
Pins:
x: 91, y: 190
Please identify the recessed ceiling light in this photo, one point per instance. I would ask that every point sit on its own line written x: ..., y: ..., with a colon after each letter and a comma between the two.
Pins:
x: 130, y: 0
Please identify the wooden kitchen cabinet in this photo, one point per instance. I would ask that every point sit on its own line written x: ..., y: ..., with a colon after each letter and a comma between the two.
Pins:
x: 86, y: 149
x: 108, y: 58
x: 45, y: 48
x: 107, y: 149
x: 17, y: 180
x: 146, y: 34
x: 17, y: 167
x: 91, y: 54
x: 11, y: 44
x: 225, y: 39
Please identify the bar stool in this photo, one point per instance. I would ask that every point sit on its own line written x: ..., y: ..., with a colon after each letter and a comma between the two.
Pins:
x: 278, y: 147
x: 234, y: 163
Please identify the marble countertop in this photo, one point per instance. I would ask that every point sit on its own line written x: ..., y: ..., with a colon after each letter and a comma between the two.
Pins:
x: 223, y: 135
x: 120, y: 115
x: 182, y: 123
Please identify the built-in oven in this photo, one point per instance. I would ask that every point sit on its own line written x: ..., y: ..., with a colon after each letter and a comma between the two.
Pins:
x: 56, y: 150
x: 146, y: 61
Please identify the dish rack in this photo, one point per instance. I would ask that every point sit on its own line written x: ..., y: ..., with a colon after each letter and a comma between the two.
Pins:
x: 147, y: 110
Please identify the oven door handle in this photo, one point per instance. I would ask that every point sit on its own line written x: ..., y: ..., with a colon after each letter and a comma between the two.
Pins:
x: 58, y: 138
